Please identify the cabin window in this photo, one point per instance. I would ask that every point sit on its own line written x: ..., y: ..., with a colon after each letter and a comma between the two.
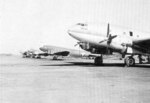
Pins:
x: 81, y: 24
x: 131, y: 33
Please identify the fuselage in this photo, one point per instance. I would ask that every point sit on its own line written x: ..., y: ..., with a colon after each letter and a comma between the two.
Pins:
x: 96, y: 36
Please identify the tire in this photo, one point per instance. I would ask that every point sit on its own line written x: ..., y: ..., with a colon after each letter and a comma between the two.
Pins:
x: 55, y: 58
x: 129, y: 61
x: 38, y: 57
x: 98, y: 61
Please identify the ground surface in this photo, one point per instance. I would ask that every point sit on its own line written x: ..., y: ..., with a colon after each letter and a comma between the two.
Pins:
x: 25, y: 80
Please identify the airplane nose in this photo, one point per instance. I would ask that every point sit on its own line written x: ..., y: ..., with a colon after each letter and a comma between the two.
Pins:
x: 71, y: 33
x: 76, y: 32
x: 41, y: 48
x: 72, y: 30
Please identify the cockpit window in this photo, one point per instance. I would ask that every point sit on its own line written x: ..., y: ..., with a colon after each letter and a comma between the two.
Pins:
x: 82, y: 24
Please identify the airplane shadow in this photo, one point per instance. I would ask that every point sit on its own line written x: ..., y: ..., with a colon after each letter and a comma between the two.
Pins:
x: 86, y: 64
x: 57, y: 60
x: 72, y: 64
x: 51, y: 59
x: 142, y: 66
x: 92, y: 65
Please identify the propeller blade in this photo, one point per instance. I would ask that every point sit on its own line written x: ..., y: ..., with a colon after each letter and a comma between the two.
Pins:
x: 103, y: 40
x: 111, y: 38
x: 76, y: 44
x: 108, y: 30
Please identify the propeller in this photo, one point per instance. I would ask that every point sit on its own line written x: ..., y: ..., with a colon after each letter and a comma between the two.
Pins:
x: 108, y: 30
x: 78, y: 43
x: 109, y: 37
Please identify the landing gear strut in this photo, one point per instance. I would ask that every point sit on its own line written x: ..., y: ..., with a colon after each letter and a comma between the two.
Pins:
x: 140, y: 59
x: 129, y: 61
x: 98, y: 60
x: 38, y: 57
x: 149, y: 59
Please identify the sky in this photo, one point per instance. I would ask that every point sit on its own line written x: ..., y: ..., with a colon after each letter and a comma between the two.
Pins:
x: 30, y: 24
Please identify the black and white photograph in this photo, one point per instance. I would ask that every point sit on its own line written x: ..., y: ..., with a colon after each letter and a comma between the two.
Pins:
x: 74, y: 51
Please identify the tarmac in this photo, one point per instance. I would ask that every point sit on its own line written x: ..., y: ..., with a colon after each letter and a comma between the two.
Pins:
x: 25, y: 80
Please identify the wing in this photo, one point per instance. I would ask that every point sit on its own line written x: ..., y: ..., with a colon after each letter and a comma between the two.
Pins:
x: 62, y: 53
x: 142, y: 44
x: 54, y: 50
x: 43, y: 54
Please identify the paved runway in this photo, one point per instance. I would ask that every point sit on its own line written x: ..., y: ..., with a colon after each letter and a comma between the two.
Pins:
x: 24, y: 80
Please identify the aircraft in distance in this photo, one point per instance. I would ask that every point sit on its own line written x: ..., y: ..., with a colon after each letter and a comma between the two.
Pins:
x: 61, y: 52
x: 104, y: 39
x: 33, y: 54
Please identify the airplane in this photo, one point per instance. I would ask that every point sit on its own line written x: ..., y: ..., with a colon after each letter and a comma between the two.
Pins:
x: 33, y: 54
x: 105, y: 40
x: 56, y: 52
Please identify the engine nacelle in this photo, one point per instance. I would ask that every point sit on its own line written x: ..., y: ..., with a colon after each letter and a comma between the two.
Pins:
x: 93, y: 49
x: 85, y: 46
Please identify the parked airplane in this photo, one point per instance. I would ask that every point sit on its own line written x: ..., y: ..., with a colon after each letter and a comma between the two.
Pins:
x: 33, y: 54
x: 61, y: 52
x: 104, y: 39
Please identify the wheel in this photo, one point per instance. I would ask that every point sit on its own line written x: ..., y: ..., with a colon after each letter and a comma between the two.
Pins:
x: 98, y: 61
x: 55, y: 58
x: 32, y: 56
x: 38, y: 57
x: 129, y: 61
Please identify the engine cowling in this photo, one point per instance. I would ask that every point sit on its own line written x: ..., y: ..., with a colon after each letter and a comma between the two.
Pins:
x: 123, y: 44
x: 95, y: 50
x: 85, y: 46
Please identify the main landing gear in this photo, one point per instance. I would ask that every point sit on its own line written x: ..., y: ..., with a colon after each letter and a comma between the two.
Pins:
x: 129, y: 61
x: 55, y: 57
x: 38, y: 57
x: 98, y: 60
